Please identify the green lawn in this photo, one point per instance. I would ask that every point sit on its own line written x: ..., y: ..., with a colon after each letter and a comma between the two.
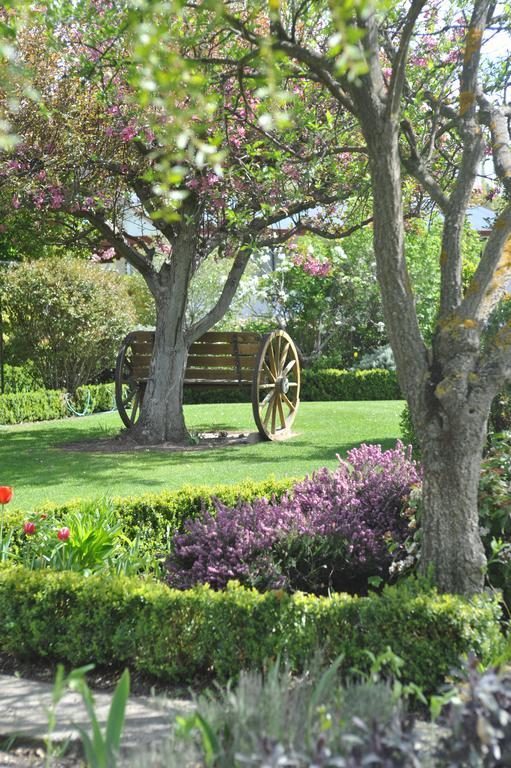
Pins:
x: 39, y: 471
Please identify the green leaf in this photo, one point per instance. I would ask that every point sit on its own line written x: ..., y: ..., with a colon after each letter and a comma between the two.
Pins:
x: 116, y: 715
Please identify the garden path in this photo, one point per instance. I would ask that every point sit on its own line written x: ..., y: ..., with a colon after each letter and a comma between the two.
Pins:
x: 23, y: 706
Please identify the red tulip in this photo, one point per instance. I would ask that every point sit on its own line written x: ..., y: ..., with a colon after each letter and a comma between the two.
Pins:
x: 5, y: 494
x: 29, y: 529
x: 64, y: 534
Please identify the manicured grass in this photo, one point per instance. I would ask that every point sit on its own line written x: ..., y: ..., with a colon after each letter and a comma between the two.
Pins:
x: 39, y: 471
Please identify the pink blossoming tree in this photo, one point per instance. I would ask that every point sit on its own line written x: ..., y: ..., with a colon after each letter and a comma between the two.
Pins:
x: 186, y: 148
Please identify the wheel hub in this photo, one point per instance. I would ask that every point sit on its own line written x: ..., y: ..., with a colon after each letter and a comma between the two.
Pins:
x: 283, y: 384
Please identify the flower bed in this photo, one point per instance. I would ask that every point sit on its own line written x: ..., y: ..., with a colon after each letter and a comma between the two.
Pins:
x: 334, y: 530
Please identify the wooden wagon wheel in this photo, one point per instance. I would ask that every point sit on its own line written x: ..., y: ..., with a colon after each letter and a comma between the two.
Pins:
x: 276, y: 386
x: 129, y: 392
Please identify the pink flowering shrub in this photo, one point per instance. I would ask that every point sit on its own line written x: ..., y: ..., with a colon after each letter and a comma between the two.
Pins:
x: 334, y: 531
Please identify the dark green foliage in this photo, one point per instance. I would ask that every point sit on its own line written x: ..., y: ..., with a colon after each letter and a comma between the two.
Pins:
x: 67, y: 317
x: 31, y: 406
x: 495, y: 513
x: 408, y: 435
x: 333, y: 384
x: 500, y: 414
x: 317, y: 384
x: 45, y: 404
x: 179, y: 635
x: 330, y: 384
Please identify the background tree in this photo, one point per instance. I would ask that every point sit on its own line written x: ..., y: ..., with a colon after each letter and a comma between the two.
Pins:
x: 325, y: 292
x: 63, y: 315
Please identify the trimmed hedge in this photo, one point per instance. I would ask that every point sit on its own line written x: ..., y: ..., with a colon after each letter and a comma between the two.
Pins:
x: 46, y: 404
x: 333, y: 384
x: 324, y: 384
x: 40, y: 405
x: 156, y: 516
x: 179, y: 636
x: 328, y: 384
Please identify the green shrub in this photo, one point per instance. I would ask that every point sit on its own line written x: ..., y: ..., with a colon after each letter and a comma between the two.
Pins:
x: 180, y: 635
x: 45, y: 404
x: 40, y: 405
x: 328, y: 384
x: 94, y: 398
x: 155, y: 517
x: 21, y: 378
x: 67, y: 316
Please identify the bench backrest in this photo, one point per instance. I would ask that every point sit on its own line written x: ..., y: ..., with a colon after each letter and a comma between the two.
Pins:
x: 218, y: 358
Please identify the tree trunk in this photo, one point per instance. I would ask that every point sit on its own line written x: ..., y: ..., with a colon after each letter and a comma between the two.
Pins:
x: 452, y: 551
x: 452, y: 434
x: 162, y: 417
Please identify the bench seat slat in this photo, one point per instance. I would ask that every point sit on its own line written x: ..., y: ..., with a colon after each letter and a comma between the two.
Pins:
x: 199, y: 348
x: 227, y: 336
x: 218, y: 374
x: 221, y: 361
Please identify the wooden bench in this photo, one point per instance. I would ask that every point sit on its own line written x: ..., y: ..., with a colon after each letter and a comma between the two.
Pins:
x: 268, y: 365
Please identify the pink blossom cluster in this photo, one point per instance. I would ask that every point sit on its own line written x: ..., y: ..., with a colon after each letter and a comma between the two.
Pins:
x: 312, y: 266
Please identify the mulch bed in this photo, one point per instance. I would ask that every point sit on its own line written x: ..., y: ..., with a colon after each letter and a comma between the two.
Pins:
x: 205, y: 441
x: 99, y: 679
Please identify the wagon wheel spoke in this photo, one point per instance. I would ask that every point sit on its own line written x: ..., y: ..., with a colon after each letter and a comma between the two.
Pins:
x: 267, y: 399
x: 288, y: 402
x: 267, y: 367
x: 289, y: 366
x: 269, y: 410
x: 274, y: 413
x: 135, y: 406
x: 281, y: 410
x: 273, y: 365
x: 284, y: 355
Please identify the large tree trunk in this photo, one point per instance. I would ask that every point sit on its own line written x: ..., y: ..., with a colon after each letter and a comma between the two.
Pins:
x: 452, y: 552
x: 162, y: 417
x: 452, y: 431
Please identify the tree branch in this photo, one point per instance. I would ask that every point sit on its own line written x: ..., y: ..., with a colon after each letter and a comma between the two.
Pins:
x: 222, y: 305
x: 118, y: 242
x: 450, y: 261
x: 397, y: 79
x: 490, y: 281
x: 417, y: 168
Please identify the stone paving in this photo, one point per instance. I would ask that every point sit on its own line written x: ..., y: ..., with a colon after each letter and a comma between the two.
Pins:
x: 24, y: 703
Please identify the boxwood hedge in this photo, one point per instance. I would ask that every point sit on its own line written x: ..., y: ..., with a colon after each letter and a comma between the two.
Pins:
x: 180, y: 636
x: 45, y: 404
